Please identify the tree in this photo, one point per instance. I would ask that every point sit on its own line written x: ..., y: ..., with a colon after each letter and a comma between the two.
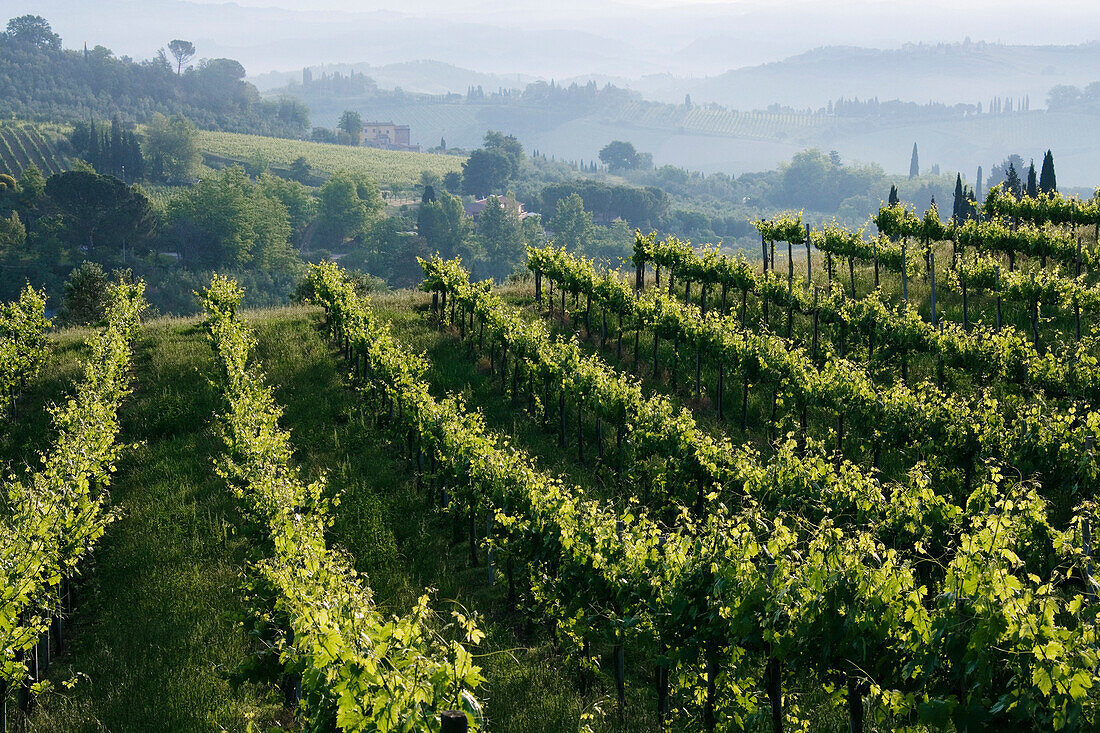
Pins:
x: 958, y: 208
x: 572, y: 225
x: 101, y: 210
x: 85, y: 299
x: 1013, y: 186
x: 351, y: 122
x: 300, y: 204
x: 509, y: 146
x: 1062, y: 96
x: 227, y: 221
x: 978, y: 184
x: 619, y: 156
x: 182, y: 51
x: 501, y: 236
x: 1048, y: 182
x: 443, y: 225
x: 914, y: 164
x: 485, y: 171
x: 346, y: 205
x: 33, y: 30
x: 12, y: 232
x: 1032, y: 183
x: 172, y: 147
x: 893, y: 198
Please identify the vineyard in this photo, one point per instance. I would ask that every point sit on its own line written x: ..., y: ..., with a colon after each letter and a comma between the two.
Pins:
x: 23, y: 145
x: 848, y: 485
x: 394, y: 169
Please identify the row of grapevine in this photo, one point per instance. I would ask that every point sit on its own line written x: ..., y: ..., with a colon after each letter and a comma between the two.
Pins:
x: 23, y: 344
x: 987, y: 353
x: 1046, y: 208
x: 992, y: 235
x: 43, y: 150
x: 57, y: 514
x: 742, y: 600
x: 359, y: 669
x: 1031, y: 435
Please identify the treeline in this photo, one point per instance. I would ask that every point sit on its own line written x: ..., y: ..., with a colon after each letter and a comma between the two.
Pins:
x: 264, y: 228
x: 39, y: 80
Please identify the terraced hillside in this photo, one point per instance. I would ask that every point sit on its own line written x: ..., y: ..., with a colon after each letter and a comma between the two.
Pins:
x: 23, y: 145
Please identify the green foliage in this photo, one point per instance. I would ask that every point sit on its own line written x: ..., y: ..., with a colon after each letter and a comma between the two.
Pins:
x: 501, y: 237
x: 85, y: 295
x: 351, y: 123
x: 443, y: 225
x: 58, y: 513
x: 301, y: 206
x: 24, y: 344
x: 12, y: 232
x: 486, y: 171
x: 33, y: 31
x: 572, y: 225
x: 346, y: 205
x: 619, y: 156
x: 227, y: 220
x: 102, y: 211
x: 360, y: 669
x: 171, y: 148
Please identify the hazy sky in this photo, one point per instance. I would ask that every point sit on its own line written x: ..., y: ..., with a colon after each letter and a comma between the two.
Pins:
x: 560, y: 38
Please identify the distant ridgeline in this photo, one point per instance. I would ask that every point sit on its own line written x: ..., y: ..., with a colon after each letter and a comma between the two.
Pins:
x: 41, y: 81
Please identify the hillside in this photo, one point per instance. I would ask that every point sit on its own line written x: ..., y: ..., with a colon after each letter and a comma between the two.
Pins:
x: 946, y: 72
x: 23, y: 145
x: 391, y: 168
x: 167, y: 576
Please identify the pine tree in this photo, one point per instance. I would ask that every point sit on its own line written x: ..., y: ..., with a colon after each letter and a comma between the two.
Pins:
x: 958, y: 207
x: 1032, y: 183
x: 914, y: 165
x: 1047, y: 181
x: 894, y: 199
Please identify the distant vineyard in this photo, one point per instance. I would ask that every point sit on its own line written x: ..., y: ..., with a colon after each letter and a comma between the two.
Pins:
x: 388, y: 167
x: 23, y: 145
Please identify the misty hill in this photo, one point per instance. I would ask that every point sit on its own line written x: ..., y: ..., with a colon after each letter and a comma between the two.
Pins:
x: 949, y: 73
x: 552, y: 40
x: 421, y: 77
x: 39, y: 80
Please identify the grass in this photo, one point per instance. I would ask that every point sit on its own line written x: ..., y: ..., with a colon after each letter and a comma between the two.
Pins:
x: 400, y: 539
x: 155, y: 633
x: 391, y: 168
x: 156, y: 637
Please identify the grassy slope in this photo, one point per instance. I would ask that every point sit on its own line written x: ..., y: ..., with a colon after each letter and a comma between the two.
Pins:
x: 156, y: 638
x: 155, y: 634
x: 388, y: 167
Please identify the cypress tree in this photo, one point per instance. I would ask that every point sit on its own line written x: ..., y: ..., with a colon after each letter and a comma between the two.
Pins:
x: 1032, y: 184
x: 958, y: 207
x: 1047, y: 181
x: 978, y: 184
x: 1013, y: 186
x: 893, y: 195
x: 914, y: 165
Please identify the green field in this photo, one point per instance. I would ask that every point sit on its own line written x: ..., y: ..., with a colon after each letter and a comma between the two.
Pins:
x: 391, y: 168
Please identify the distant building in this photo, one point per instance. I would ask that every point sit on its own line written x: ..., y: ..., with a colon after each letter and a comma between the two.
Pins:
x: 473, y: 210
x: 387, y: 136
